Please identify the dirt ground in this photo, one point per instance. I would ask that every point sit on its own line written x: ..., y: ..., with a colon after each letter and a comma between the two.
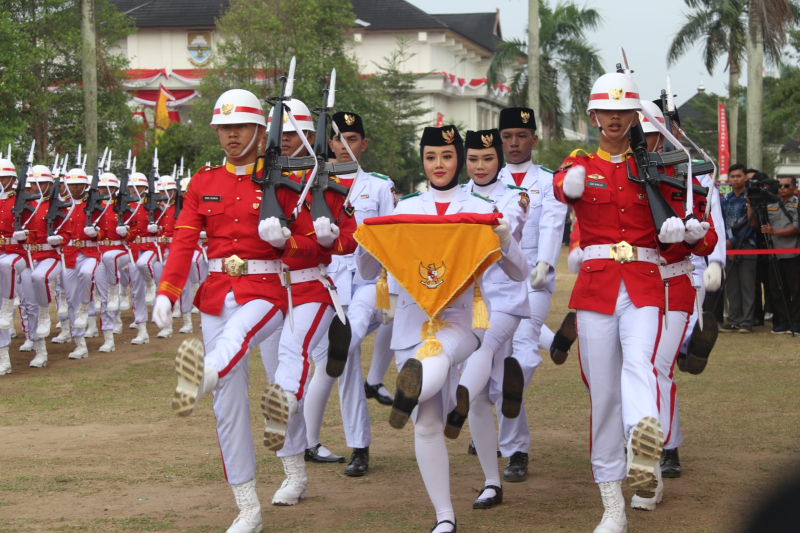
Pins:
x: 91, y: 445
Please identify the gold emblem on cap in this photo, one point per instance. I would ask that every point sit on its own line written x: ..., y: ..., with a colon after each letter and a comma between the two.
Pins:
x: 449, y: 136
x: 487, y: 140
x: 525, y: 116
x: 616, y: 94
x: 349, y: 119
x: 227, y: 109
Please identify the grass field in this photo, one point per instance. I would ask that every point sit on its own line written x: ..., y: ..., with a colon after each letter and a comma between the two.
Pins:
x: 91, y: 446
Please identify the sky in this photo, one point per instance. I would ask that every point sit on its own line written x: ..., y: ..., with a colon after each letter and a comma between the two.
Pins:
x: 644, y: 28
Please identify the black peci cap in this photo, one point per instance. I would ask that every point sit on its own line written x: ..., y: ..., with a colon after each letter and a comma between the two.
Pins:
x: 517, y: 117
x: 444, y: 136
x: 482, y: 139
x: 348, y: 122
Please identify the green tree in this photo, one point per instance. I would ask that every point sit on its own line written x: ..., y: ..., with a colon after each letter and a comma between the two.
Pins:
x: 40, y: 70
x: 565, y: 55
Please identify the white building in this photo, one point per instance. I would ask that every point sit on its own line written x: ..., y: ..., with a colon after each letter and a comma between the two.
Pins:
x: 176, y: 40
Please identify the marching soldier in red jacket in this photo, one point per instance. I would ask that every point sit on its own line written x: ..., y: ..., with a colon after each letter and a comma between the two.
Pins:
x: 619, y: 297
x: 8, y: 258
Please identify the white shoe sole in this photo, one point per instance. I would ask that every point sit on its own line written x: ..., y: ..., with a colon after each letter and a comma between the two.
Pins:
x: 646, y: 444
x: 186, y: 330
x: 164, y: 335
x: 106, y: 349
x: 38, y: 365
x: 60, y: 340
x: 3, y: 372
x: 286, y: 502
x: 24, y: 348
x: 78, y: 356
x: 275, y: 407
x: 189, y: 365
x: 141, y: 341
x: 646, y: 504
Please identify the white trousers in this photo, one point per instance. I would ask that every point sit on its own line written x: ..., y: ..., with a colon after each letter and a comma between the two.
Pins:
x: 78, y: 286
x: 363, y: 319
x: 381, y: 354
x: 617, y: 354
x: 286, y: 358
x: 114, y: 261
x: 101, y: 291
x: 138, y: 286
x: 228, y: 339
x: 514, y: 434
x: 11, y: 265
x: 669, y: 345
x: 44, y: 272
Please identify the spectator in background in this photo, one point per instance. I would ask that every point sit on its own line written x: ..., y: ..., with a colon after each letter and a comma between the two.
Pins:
x: 783, y: 228
x: 740, y: 282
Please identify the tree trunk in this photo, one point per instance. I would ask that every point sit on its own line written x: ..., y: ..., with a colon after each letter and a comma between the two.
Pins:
x: 755, y: 93
x: 89, y: 60
x: 733, y: 111
x: 533, y: 61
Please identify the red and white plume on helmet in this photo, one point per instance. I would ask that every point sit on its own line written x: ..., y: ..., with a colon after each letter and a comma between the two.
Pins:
x: 300, y: 113
x: 237, y: 106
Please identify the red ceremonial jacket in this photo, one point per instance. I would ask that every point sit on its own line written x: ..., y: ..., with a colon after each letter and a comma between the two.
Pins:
x: 612, y: 209
x: 37, y: 233
x: 227, y: 205
x: 167, y: 227
x: 7, y: 225
x: 76, y: 225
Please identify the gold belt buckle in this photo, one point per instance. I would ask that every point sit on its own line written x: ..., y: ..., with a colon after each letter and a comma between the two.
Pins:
x: 2, y: 240
x: 235, y: 266
x: 77, y: 244
x: 137, y: 240
x: 106, y: 242
x: 34, y: 247
x: 622, y: 252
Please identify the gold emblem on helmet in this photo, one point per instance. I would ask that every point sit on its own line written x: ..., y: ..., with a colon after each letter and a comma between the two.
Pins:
x: 616, y: 94
x: 525, y: 116
x: 487, y: 140
x: 449, y: 136
x: 227, y: 109
x: 285, y: 118
x: 349, y: 119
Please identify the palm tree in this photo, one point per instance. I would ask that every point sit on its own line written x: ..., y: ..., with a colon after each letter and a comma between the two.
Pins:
x: 722, y: 27
x: 768, y: 24
x: 564, y: 55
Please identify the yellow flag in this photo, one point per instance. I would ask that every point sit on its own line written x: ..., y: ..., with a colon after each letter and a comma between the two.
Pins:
x: 162, y: 114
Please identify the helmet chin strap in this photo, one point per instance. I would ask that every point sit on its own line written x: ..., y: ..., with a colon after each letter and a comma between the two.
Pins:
x: 247, y: 148
x: 599, y: 127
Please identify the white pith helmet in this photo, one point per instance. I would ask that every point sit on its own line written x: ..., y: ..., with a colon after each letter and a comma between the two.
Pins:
x: 7, y: 169
x: 108, y: 179
x: 76, y: 176
x: 301, y: 114
x: 41, y: 174
x: 614, y: 91
x: 237, y: 106
x: 647, y: 126
x: 137, y: 179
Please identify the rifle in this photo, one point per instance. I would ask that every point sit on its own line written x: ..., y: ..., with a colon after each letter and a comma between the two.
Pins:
x: 274, y: 163
x: 21, y: 202
x: 179, y: 191
x: 322, y: 182
x: 151, y: 204
x: 124, y: 196
x: 54, y: 209
x: 93, y: 196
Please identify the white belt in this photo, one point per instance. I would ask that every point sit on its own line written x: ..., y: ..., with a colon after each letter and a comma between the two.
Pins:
x: 622, y: 252
x: 38, y: 247
x: 291, y: 277
x: 235, y: 266
x: 145, y: 240
x: 77, y: 243
x: 109, y: 242
x: 677, y: 269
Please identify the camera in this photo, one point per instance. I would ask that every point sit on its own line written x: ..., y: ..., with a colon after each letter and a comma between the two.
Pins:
x: 757, y: 190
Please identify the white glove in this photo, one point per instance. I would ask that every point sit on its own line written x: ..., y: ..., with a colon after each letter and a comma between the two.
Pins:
x: 575, y: 260
x: 695, y: 230
x: 504, y: 232
x: 54, y: 240
x: 539, y: 275
x: 122, y: 231
x: 672, y: 231
x: 162, y: 312
x: 387, y: 315
x: 574, y: 182
x: 326, y: 231
x: 203, y: 234
x: 270, y: 230
x: 90, y: 231
x: 712, y: 277
x: 152, y: 228
x: 20, y: 235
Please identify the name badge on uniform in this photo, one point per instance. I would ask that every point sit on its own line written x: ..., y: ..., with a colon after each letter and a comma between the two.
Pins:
x: 597, y: 184
x: 364, y: 196
x: 534, y: 191
x: 772, y: 209
x: 212, y: 198
x: 678, y: 195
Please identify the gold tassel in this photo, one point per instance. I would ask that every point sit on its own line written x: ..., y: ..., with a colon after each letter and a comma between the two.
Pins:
x: 435, y: 323
x: 382, y: 292
x: 432, y: 346
x: 480, y: 315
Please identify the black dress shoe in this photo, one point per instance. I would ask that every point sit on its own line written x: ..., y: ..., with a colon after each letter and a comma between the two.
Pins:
x: 562, y: 342
x: 339, y: 335
x: 513, y: 387
x: 313, y: 456
x: 517, y: 468
x: 457, y: 417
x: 472, y: 451
x: 374, y: 391
x: 488, y: 503
x: 409, y: 385
x: 437, y: 524
x: 670, y: 463
x: 359, y: 463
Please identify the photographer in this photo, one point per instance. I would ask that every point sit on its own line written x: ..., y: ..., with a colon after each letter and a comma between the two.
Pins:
x: 741, y: 272
x: 783, y: 229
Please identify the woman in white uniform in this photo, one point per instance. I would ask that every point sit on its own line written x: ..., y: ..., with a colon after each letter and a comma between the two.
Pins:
x: 426, y: 389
